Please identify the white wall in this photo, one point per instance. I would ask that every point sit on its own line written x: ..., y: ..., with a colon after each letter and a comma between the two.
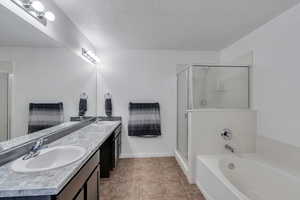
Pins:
x: 276, y: 72
x: 48, y: 75
x: 205, y: 137
x: 146, y: 76
x: 61, y: 30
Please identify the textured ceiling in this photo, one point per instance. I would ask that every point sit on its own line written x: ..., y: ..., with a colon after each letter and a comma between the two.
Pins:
x: 170, y: 24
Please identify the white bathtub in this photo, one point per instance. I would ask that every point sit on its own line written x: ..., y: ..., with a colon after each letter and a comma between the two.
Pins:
x: 249, y: 180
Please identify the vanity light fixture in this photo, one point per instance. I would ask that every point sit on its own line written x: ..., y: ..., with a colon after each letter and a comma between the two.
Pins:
x: 90, y: 56
x: 36, y: 9
x: 38, y: 6
x: 50, y: 16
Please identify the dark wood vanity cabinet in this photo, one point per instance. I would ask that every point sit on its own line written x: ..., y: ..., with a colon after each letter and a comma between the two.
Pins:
x: 110, y: 152
x: 92, y: 185
x: 117, y: 146
x: 85, y: 184
x: 80, y: 195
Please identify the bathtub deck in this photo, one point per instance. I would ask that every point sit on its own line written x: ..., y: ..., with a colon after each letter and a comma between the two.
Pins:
x: 148, y: 179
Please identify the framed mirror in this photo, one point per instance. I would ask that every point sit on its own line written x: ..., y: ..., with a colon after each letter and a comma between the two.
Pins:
x: 41, y: 82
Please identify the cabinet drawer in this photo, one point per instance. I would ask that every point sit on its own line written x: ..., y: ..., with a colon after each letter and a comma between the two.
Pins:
x: 92, y: 185
x: 76, y: 183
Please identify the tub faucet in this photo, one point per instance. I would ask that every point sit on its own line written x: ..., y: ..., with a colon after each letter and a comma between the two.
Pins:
x: 229, y: 148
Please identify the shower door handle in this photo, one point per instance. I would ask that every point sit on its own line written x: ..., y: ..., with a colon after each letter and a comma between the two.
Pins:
x: 186, y: 115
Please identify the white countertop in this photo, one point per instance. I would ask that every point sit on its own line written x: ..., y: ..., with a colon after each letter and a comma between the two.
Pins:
x: 13, y: 184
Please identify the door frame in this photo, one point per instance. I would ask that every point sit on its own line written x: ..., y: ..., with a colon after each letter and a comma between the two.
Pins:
x: 7, y: 67
x: 185, y: 69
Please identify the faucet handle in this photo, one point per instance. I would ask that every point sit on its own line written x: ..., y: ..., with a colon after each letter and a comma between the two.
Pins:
x: 39, y: 143
x: 226, y: 134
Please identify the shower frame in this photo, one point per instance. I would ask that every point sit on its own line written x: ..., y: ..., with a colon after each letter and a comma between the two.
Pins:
x: 190, y: 102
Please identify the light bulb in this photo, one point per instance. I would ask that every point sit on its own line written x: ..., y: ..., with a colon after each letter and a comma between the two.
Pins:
x: 38, y: 6
x: 93, y: 56
x: 19, y: 2
x: 33, y: 13
x: 26, y: 3
x: 50, y: 16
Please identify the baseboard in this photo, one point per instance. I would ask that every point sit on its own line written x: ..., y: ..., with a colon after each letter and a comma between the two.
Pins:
x: 184, y: 167
x: 147, y: 155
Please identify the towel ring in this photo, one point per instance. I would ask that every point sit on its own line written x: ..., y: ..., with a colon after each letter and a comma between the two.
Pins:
x: 83, y: 96
x: 107, y: 96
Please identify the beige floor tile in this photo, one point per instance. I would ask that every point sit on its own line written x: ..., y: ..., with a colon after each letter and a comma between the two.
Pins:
x: 170, y: 176
x: 152, y: 190
x: 148, y: 179
x: 176, y: 198
x: 125, y: 190
x: 174, y: 189
x: 151, y: 198
x: 106, y: 188
x: 191, y: 188
x: 196, y: 196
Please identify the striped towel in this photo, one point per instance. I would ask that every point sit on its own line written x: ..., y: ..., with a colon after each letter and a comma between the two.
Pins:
x: 44, y: 115
x: 144, y: 120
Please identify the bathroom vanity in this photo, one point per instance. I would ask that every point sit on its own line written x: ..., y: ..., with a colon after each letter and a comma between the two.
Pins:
x: 85, y: 184
x: 76, y: 181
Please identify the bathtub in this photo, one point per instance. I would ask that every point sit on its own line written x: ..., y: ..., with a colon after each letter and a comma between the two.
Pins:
x: 229, y: 177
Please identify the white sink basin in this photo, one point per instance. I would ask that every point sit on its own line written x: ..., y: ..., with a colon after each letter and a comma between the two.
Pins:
x: 49, y: 158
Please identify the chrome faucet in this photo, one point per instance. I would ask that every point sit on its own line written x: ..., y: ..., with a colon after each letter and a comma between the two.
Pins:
x: 229, y: 148
x: 35, y: 150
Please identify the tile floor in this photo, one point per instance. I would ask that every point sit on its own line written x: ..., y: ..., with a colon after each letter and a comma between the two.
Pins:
x: 148, y: 179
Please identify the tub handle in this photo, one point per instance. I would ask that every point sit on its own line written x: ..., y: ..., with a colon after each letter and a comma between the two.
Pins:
x: 226, y: 134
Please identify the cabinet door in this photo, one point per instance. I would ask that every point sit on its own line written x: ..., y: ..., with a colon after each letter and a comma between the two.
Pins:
x: 119, y: 146
x: 80, y: 196
x: 79, y: 181
x: 92, y: 184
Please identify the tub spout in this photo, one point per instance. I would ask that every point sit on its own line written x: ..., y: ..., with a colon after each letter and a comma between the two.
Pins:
x: 229, y: 148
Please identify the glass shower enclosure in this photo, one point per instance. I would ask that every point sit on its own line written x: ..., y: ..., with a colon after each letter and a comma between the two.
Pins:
x: 206, y: 87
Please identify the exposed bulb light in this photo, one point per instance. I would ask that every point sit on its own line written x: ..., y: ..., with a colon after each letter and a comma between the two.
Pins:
x: 90, y: 56
x: 90, y: 53
x: 33, y: 13
x: 36, y: 9
x: 49, y: 16
x: 20, y: 2
x: 38, y: 6
x: 26, y: 3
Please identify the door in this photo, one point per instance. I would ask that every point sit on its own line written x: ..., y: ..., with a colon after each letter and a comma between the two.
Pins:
x: 92, y: 185
x: 80, y: 196
x: 182, y: 115
x: 4, y: 78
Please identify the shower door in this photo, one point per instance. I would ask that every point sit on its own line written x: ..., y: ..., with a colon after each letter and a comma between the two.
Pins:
x: 3, y: 106
x: 222, y: 87
x: 182, y: 117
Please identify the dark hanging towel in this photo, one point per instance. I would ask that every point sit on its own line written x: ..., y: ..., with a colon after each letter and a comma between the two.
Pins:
x: 144, y: 120
x: 44, y: 115
x: 83, y: 104
x: 82, y: 107
x: 108, y: 105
